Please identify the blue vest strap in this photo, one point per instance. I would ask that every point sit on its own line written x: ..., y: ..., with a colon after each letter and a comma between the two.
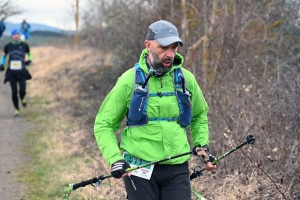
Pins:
x: 169, y: 119
x: 161, y: 94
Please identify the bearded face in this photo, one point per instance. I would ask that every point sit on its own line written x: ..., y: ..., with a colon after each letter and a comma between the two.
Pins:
x: 161, y: 66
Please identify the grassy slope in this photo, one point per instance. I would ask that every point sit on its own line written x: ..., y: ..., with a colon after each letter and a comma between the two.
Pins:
x: 63, y: 98
x: 58, y: 142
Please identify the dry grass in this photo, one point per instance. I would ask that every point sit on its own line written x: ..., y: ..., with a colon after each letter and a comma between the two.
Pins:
x: 60, y: 144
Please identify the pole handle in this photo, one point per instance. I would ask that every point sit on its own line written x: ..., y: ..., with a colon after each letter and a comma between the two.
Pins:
x: 85, y: 183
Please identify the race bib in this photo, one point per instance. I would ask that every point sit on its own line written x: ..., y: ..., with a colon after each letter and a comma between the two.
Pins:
x: 15, y: 65
x: 144, y: 172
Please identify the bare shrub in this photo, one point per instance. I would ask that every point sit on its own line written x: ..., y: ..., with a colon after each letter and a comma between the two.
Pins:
x: 245, y: 56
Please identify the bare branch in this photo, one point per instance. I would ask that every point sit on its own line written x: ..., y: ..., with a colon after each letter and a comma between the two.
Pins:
x: 8, y: 9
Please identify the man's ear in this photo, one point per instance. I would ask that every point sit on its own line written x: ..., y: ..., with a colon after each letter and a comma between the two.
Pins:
x: 147, y: 44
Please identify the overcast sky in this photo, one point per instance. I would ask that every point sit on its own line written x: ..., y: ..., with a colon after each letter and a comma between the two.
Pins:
x: 57, y: 13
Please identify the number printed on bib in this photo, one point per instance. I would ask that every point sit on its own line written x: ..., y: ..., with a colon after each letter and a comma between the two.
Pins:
x: 15, y: 65
x: 143, y: 172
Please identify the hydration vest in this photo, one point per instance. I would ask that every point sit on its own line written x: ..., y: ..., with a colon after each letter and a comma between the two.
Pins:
x: 137, y: 113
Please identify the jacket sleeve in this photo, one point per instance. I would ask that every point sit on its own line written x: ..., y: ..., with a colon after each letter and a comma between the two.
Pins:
x: 3, y: 59
x: 109, y: 118
x: 199, y: 125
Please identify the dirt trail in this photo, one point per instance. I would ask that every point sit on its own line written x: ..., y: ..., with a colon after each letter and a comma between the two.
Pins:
x: 12, y: 138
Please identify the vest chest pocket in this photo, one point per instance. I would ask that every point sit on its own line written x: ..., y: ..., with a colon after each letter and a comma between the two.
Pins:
x: 138, y: 104
x: 185, y: 109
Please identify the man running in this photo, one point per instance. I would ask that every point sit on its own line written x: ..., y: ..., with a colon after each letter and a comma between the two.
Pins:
x: 25, y: 29
x: 16, y: 73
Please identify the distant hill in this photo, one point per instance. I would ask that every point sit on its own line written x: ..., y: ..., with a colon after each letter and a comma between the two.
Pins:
x: 47, y: 34
x: 37, y: 28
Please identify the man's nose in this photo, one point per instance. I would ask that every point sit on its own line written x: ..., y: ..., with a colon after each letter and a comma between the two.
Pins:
x: 170, y: 52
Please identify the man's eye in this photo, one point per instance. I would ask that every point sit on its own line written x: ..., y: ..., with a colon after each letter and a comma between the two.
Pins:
x: 175, y: 47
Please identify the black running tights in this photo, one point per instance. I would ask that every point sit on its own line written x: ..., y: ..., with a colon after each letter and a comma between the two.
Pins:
x: 14, y: 90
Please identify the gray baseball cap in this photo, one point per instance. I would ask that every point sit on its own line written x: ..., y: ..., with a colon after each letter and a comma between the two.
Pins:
x: 164, y: 33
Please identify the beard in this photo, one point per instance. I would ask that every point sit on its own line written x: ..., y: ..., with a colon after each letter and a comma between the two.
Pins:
x: 159, y: 68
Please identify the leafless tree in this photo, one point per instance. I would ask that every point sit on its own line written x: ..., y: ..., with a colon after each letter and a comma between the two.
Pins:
x: 8, y: 8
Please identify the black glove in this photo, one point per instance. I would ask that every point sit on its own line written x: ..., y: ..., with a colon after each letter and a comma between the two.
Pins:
x: 118, y: 168
x: 203, y: 153
x: 1, y: 68
x: 27, y: 62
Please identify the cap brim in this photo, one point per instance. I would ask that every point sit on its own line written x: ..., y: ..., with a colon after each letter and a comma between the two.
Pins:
x: 169, y: 40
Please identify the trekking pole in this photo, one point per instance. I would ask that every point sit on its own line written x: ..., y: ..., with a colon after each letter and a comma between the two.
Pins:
x: 249, y: 140
x: 97, y: 180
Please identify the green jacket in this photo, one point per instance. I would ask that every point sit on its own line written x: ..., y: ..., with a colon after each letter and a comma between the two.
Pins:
x: 157, y: 139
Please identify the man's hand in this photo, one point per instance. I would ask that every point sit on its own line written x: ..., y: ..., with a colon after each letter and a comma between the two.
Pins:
x: 27, y: 62
x: 205, y: 156
x: 118, y: 169
x: 1, y: 68
x: 210, y: 167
